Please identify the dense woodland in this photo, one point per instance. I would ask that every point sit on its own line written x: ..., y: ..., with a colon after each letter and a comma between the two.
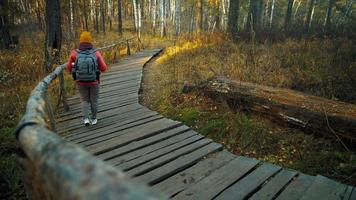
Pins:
x: 303, y: 45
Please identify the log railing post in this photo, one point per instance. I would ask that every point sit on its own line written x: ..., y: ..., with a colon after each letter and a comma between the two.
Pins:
x: 128, y: 47
x: 50, y: 111
x: 63, y: 94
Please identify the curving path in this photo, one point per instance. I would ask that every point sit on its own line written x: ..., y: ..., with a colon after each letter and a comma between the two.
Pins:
x: 171, y: 157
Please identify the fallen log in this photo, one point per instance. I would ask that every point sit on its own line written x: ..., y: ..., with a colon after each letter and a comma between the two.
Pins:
x: 333, y: 119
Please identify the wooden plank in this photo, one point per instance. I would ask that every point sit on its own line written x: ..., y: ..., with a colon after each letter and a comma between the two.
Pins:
x: 116, y: 128
x: 247, y: 185
x: 324, y: 188
x: 123, y: 111
x: 144, y: 142
x: 353, y: 195
x: 104, y: 127
x: 275, y: 185
x: 116, y: 142
x: 79, y: 128
x: 194, y: 174
x: 137, y: 167
x: 149, y: 151
x: 297, y: 187
x: 153, y: 126
x: 178, y: 164
x: 101, y: 108
x: 220, y: 179
x: 348, y: 193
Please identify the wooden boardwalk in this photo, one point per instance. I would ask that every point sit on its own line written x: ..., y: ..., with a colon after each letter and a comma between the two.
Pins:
x: 171, y: 157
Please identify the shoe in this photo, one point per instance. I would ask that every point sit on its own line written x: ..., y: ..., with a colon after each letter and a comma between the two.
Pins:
x: 86, y: 122
x: 94, y: 121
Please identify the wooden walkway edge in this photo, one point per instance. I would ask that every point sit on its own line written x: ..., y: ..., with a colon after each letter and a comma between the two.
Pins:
x: 171, y: 157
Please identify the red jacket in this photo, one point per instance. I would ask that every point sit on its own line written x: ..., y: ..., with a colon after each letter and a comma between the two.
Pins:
x: 101, y: 65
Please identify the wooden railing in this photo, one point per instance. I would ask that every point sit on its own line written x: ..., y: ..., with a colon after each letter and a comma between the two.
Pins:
x: 56, y: 169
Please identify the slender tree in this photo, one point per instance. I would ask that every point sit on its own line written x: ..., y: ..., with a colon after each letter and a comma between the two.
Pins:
x: 4, y: 24
x: 272, y: 13
x: 288, y: 14
x: 327, y: 22
x: 119, y: 16
x: 233, y: 19
x: 53, y: 34
x: 85, y: 12
x: 199, y: 15
x: 309, y: 17
x: 103, y: 15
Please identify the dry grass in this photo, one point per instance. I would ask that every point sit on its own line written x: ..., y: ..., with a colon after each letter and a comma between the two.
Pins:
x: 309, y: 66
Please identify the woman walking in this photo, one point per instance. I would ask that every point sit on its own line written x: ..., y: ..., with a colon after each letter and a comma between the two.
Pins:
x: 86, y: 64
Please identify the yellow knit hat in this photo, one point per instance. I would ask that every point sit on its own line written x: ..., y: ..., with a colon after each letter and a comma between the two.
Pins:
x: 85, y: 36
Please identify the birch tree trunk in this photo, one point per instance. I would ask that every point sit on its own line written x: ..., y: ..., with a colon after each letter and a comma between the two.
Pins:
x: 53, y: 34
x: 310, y: 14
x: 71, y: 16
x: 177, y: 17
x: 271, y: 14
x: 119, y: 16
x: 139, y: 17
x: 154, y: 15
x: 288, y: 14
x: 233, y: 19
x: 134, y: 4
x: 163, y: 14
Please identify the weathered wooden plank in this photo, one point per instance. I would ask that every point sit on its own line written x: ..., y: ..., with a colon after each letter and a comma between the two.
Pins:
x: 123, y: 111
x: 348, y: 193
x: 79, y: 128
x: 220, y: 179
x: 149, y: 151
x: 194, y: 174
x: 153, y: 126
x: 162, y: 155
x: 95, y: 129
x: 144, y: 142
x: 324, y: 188
x: 250, y: 183
x: 116, y: 142
x: 353, y: 195
x: 297, y: 187
x: 116, y: 128
x: 276, y: 184
x: 102, y: 108
x: 137, y: 167
x: 178, y: 164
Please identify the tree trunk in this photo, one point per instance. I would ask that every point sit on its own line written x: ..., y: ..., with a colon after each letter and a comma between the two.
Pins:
x: 254, y: 19
x: 288, y: 14
x: 271, y: 14
x: 85, y: 12
x: 154, y: 15
x: 119, y: 16
x: 4, y: 25
x: 233, y: 19
x: 327, y: 23
x: 97, y: 16
x: 333, y: 119
x: 309, y: 16
x: 53, y: 34
x: 177, y: 17
x: 139, y: 17
x: 103, y: 15
x: 199, y: 17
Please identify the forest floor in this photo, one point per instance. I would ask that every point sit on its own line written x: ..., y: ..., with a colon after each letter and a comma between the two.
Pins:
x: 319, y: 67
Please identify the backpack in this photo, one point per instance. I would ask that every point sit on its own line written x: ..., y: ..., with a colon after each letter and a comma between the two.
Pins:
x: 86, y: 66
